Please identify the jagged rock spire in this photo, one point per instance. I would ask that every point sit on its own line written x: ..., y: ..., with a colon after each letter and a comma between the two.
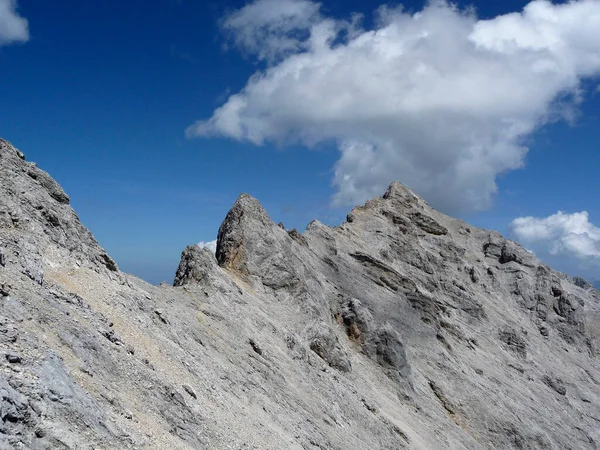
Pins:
x: 244, y: 224
x: 197, y: 266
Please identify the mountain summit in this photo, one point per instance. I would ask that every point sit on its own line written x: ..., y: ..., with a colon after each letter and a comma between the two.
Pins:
x: 400, y: 328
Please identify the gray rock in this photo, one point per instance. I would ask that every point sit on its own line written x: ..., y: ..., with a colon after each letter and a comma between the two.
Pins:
x: 4, y: 290
x: 197, y: 265
x: 514, y: 342
x: 324, y: 342
x: 582, y: 283
x: 390, y: 353
x: 36, y: 206
x: 190, y: 391
x: 51, y: 186
x: 13, y: 359
x: 161, y: 315
x: 400, y: 328
x: 555, y: 383
x: 427, y: 224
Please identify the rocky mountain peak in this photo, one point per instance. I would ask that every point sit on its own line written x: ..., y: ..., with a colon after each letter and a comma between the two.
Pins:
x: 8, y: 151
x: 247, y: 236
x: 397, y: 192
x: 36, y: 208
x: 400, y: 328
x: 15, y: 160
x: 197, y: 266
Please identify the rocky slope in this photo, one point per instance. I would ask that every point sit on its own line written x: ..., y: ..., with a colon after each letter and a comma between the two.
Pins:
x: 401, y: 328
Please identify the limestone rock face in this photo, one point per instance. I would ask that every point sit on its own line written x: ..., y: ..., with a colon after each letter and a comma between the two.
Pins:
x: 400, y: 328
x: 37, y: 210
x: 197, y: 265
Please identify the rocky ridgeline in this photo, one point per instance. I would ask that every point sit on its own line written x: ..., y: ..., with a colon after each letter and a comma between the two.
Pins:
x: 400, y: 328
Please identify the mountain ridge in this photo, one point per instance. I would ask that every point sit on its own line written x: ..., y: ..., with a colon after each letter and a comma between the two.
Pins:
x: 399, y: 328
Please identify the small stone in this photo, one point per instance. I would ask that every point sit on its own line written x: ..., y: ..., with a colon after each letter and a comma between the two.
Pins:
x: 400, y: 433
x: 4, y: 290
x: 15, y: 383
x: 514, y: 341
x: 369, y: 406
x: 37, y: 407
x: 190, y: 391
x: 556, y: 384
x: 473, y: 274
x: 161, y: 315
x: 111, y: 336
x: 255, y: 347
x: 148, y: 363
x: 13, y: 416
x: 13, y: 359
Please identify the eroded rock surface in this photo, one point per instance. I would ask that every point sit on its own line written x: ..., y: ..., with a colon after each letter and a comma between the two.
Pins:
x: 400, y: 328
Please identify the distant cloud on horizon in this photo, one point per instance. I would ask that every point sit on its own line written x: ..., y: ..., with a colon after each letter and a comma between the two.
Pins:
x: 439, y: 100
x: 561, y: 234
x: 13, y: 28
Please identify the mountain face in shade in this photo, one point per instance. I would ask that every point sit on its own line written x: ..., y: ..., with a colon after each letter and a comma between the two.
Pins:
x: 400, y: 328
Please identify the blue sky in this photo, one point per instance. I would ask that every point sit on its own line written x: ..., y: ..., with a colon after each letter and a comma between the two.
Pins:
x: 491, y: 118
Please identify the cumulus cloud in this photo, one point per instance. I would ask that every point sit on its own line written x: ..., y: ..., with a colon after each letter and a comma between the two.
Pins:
x: 439, y: 100
x: 267, y: 28
x: 561, y: 234
x: 212, y: 245
x: 13, y: 28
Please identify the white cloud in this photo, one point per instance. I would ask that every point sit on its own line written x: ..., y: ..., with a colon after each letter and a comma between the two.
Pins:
x: 438, y: 100
x: 266, y: 28
x: 13, y: 28
x: 561, y: 234
x: 212, y: 245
